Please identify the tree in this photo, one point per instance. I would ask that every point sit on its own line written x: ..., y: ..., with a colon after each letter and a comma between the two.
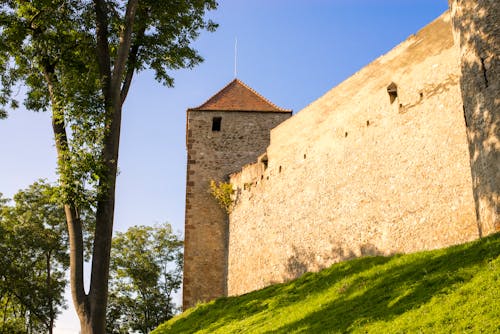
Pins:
x: 33, y: 244
x: 146, y: 269
x: 77, y: 58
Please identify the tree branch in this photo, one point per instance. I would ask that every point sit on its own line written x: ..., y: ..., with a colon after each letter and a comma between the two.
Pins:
x: 124, y: 46
x: 73, y: 221
x: 29, y: 306
x: 131, y: 64
x: 103, y: 56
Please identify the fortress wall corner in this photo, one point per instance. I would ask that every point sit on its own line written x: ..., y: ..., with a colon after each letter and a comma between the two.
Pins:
x: 213, y: 154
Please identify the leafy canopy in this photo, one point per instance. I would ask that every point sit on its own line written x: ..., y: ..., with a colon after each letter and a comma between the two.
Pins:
x: 146, y: 269
x: 33, y: 244
x: 50, y: 47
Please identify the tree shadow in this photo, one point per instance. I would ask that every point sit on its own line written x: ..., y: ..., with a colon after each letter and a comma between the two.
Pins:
x: 477, y: 31
x: 303, y: 261
x: 386, y: 294
x: 354, y: 292
x: 431, y: 90
x: 219, y: 313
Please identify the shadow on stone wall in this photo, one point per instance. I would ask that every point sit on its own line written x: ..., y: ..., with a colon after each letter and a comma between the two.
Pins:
x: 303, y: 261
x: 430, y: 91
x: 477, y: 30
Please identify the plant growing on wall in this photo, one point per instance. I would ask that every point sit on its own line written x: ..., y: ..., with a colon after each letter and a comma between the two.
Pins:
x: 222, y: 192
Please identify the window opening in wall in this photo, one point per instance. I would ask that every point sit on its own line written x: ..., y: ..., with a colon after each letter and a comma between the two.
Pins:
x: 279, y: 171
x: 368, y: 123
x: 346, y: 134
x: 392, y: 90
x: 216, y: 122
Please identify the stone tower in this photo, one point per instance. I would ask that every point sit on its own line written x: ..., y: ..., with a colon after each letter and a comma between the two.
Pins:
x: 225, y: 133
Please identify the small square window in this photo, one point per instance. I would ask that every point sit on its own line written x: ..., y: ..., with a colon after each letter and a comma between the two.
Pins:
x: 216, y: 121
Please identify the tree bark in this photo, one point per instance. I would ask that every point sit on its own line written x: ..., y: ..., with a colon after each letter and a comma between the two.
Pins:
x: 93, y: 321
x: 75, y: 231
x: 477, y: 33
x: 115, y: 82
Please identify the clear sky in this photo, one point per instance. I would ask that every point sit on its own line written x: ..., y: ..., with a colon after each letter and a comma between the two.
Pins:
x: 290, y: 51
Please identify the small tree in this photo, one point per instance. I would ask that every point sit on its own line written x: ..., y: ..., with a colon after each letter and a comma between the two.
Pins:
x: 223, y: 193
x: 146, y: 269
x: 33, y: 244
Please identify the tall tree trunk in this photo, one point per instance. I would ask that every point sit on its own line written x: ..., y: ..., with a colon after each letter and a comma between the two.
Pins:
x: 111, y: 82
x: 91, y: 307
x: 75, y: 230
x: 98, y: 293
x: 477, y: 32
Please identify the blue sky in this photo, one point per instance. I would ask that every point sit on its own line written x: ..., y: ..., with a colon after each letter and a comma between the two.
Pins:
x: 290, y: 51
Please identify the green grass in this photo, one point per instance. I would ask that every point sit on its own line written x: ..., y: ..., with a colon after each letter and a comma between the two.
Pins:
x: 452, y: 290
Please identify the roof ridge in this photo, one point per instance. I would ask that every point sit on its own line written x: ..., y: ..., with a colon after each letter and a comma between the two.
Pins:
x: 233, y: 84
x: 259, y: 95
x: 213, y: 96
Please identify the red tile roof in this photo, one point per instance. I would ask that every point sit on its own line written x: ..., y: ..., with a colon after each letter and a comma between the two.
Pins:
x: 237, y: 96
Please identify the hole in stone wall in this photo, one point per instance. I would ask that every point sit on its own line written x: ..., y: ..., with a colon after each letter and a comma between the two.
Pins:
x: 368, y: 123
x: 402, y: 109
x: 392, y: 90
x: 304, y: 156
x: 265, y: 161
x: 346, y: 134
x: 262, y: 177
x: 216, y: 123
x: 421, y: 95
x: 279, y: 170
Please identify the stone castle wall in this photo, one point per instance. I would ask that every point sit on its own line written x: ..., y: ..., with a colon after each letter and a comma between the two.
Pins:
x: 213, y: 155
x: 477, y: 31
x: 355, y: 173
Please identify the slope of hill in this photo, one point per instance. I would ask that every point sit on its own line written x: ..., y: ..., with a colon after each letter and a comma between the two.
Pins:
x: 451, y: 290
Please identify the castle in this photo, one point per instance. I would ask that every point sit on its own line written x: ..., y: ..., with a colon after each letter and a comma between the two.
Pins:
x: 392, y: 160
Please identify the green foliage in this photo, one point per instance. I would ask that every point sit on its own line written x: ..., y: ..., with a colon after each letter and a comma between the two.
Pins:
x: 33, y: 244
x: 453, y: 290
x: 223, y: 193
x: 146, y: 269
x: 50, y: 48
x: 77, y: 59
x: 50, y: 41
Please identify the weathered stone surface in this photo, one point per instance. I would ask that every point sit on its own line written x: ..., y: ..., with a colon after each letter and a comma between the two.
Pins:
x: 477, y: 32
x: 378, y: 165
x: 354, y: 174
x: 213, y: 155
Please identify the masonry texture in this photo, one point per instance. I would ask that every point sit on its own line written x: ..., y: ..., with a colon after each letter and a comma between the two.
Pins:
x: 477, y: 32
x: 378, y: 165
x: 229, y: 130
x: 401, y: 157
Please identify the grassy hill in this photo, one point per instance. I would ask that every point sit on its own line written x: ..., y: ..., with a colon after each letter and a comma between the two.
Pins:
x: 452, y: 290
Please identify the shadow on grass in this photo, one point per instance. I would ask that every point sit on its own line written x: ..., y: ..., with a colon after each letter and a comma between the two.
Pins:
x: 404, y: 286
x: 216, y: 314
x: 377, y: 288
